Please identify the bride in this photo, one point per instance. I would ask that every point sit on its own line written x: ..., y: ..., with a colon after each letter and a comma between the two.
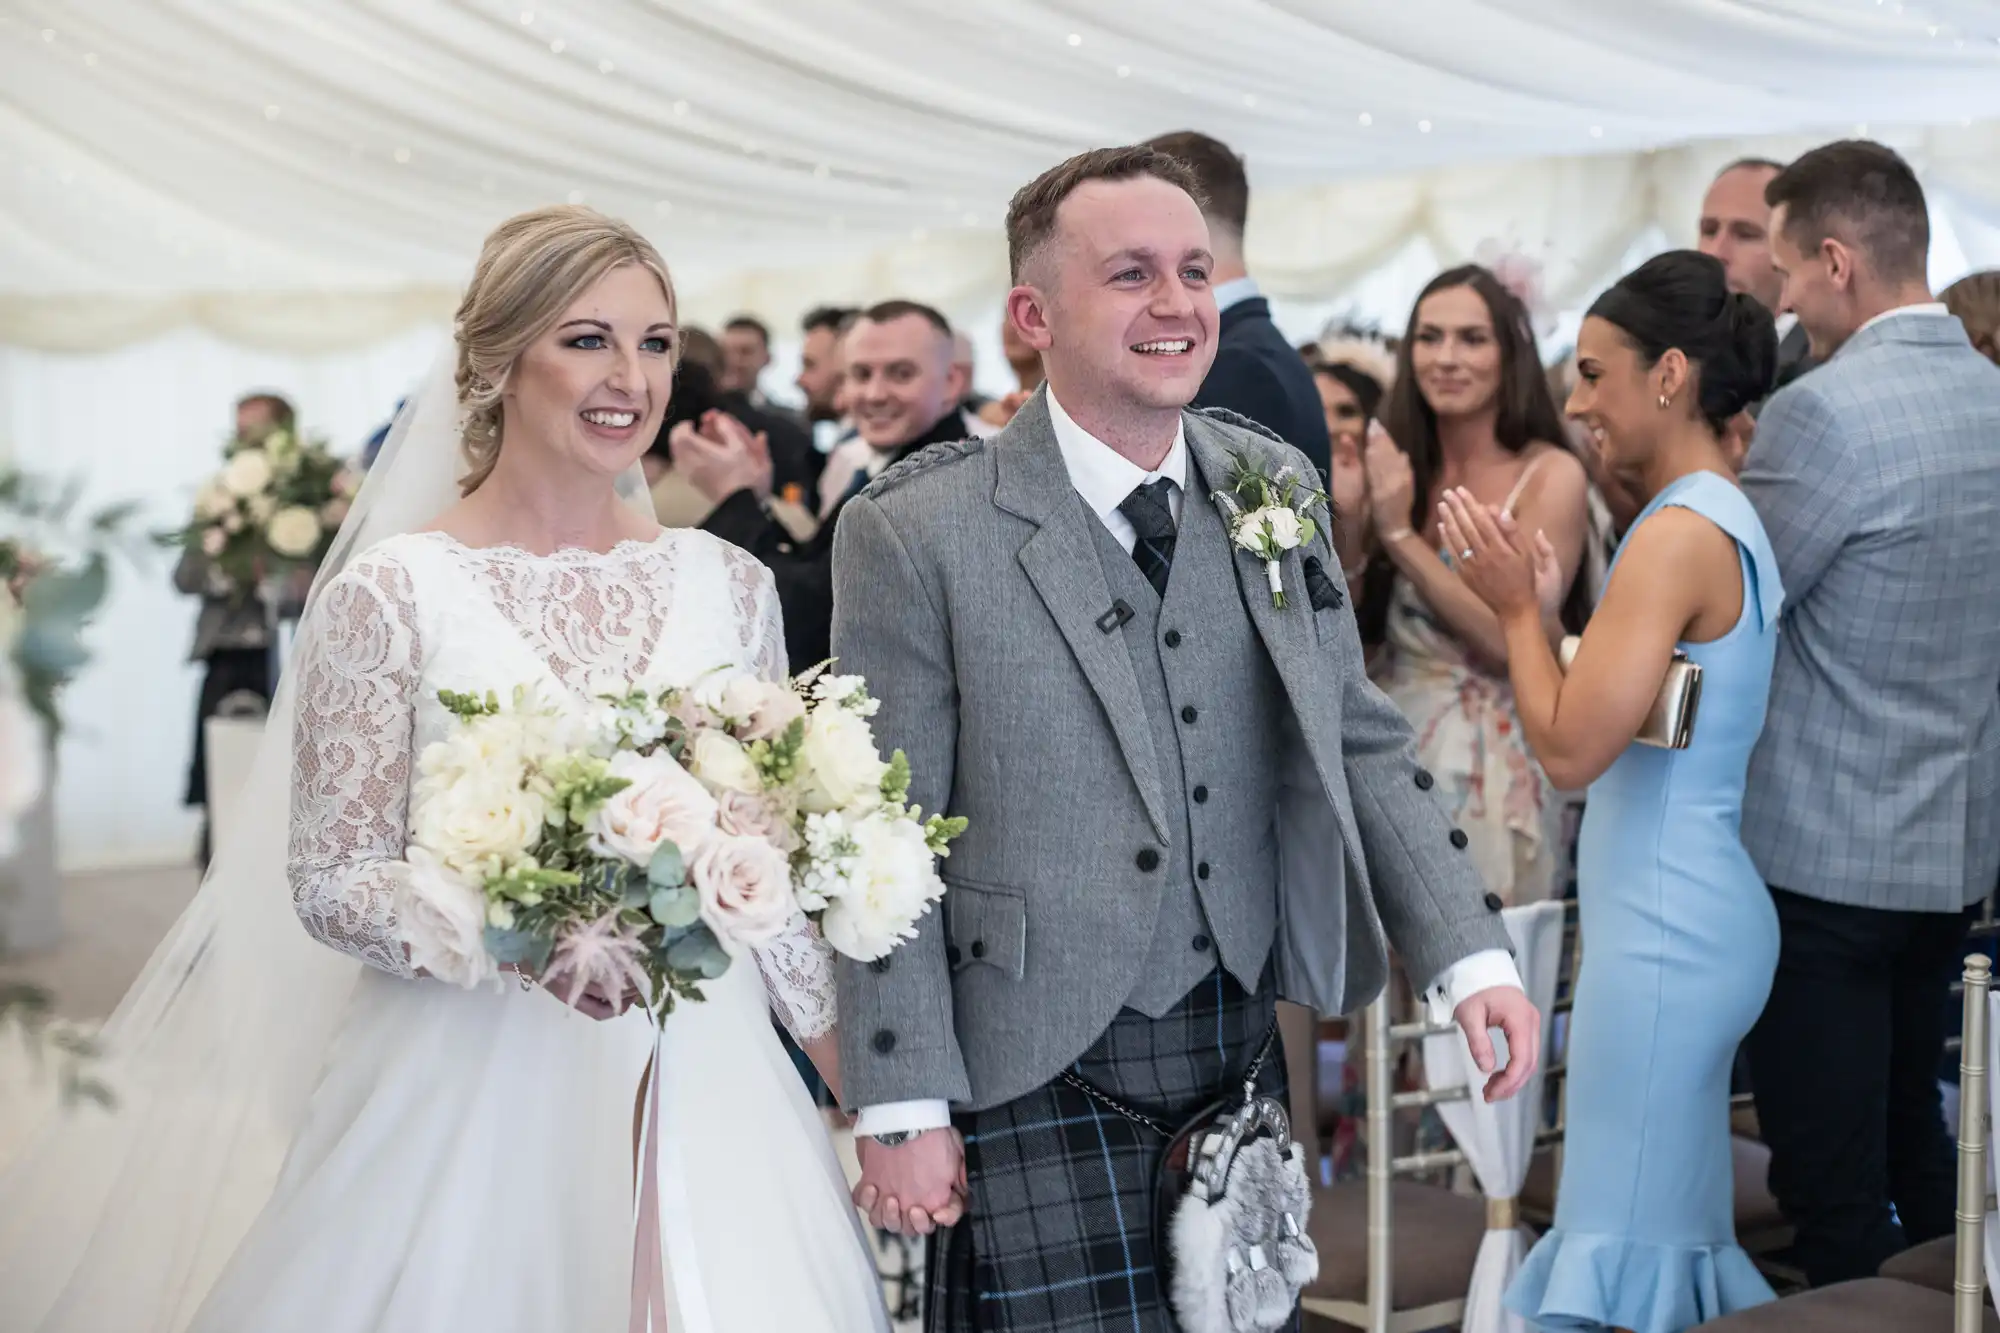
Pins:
x: 311, y: 1135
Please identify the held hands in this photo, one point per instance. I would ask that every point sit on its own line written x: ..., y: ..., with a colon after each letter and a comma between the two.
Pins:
x: 1391, y: 484
x: 1502, y: 566
x: 594, y: 1002
x: 720, y: 457
x: 1506, y: 1008
x: 915, y: 1187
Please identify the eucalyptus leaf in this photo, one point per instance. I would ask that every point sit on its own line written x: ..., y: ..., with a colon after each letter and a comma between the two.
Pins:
x: 699, y: 952
x: 519, y: 946
x: 667, y: 869
x: 677, y: 907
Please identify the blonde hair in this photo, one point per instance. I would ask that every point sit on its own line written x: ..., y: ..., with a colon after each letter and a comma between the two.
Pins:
x: 1976, y: 301
x: 530, y: 270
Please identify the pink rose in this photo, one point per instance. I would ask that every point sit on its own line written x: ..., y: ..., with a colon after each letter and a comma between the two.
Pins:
x: 663, y: 804
x: 775, y: 711
x: 746, y: 890
x: 213, y: 541
x: 743, y: 815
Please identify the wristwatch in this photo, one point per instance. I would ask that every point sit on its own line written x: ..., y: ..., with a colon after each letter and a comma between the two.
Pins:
x: 896, y: 1138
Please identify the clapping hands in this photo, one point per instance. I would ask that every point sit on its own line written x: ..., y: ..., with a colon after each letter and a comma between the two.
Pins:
x: 1504, y: 567
x: 720, y: 456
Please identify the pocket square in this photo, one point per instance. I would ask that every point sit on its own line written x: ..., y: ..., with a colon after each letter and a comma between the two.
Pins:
x: 1322, y: 590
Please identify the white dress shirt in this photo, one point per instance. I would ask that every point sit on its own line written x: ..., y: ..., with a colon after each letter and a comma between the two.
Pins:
x: 1104, y: 477
x: 1932, y: 309
x: 1235, y: 292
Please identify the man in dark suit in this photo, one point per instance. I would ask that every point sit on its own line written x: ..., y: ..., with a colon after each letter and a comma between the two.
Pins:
x: 1736, y: 229
x: 903, y: 391
x: 1256, y: 372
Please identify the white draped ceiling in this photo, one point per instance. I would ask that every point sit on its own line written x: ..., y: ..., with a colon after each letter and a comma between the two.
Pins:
x: 307, y: 176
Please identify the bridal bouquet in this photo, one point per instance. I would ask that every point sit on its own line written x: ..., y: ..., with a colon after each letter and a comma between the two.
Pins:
x: 657, y: 837
x: 273, y: 507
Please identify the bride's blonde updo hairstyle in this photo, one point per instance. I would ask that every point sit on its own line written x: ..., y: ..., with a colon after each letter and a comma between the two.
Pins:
x: 531, y: 269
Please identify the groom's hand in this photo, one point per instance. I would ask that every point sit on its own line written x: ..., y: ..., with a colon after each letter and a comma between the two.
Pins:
x: 914, y: 1187
x: 1506, y: 1008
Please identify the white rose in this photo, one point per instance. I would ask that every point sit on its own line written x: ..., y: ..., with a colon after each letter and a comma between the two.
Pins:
x: 723, y: 764
x: 441, y: 917
x: 293, y: 532
x: 477, y: 822
x: 23, y: 761
x: 892, y: 884
x: 1283, y: 522
x: 247, y: 474
x: 488, y: 749
x: 842, y: 767
x: 232, y: 522
x: 663, y: 804
x: 213, y: 502
x: 213, y: 541
x: 746, y: 890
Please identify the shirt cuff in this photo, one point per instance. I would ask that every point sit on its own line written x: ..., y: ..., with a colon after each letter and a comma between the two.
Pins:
x: 1466, y: 978
x: 903, y: 1117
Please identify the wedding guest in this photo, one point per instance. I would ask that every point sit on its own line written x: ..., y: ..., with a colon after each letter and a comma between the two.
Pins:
x: 1975, y: 299
x: 795, y: 463
x: 233, y: 635
x: 1735, y: 227
x: 1352, y: 376
x: 1256, y: 373
x: 1870, y: 811
x: 1681, y: 937
x: 820, y: 371
x: 746, y: 352
x: 1026, y: 363
x: 904, y: 392
x: 1470, y: 408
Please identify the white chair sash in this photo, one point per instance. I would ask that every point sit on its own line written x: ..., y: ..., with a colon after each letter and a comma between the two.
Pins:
x: 1499, y: 1140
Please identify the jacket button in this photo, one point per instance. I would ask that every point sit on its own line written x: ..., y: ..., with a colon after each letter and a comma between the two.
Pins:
x: 1148, y: 860
x: 1173, y: 638
x: 979, y: 948
x: 1424, y: 779
x: 952, y: 955
x: 1188, y: 714
x: 1201, y: 796
x: 1201, y: 871
x: 1201, y: 943
x: 1493, y: 903
x: 885, y: 1042
x: 1458, y: 838
x: 880, y: 965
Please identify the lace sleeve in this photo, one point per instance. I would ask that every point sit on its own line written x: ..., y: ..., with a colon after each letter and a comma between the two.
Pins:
x: 353, y: 734
x: 797, y: 967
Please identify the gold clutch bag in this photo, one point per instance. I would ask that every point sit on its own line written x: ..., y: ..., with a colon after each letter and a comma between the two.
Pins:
x: 1669, y: 723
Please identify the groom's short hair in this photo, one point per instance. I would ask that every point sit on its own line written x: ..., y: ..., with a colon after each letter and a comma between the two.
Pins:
x: 1031, y: 217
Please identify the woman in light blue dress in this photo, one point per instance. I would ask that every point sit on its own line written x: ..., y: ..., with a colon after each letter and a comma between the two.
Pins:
x: 1680, y: 939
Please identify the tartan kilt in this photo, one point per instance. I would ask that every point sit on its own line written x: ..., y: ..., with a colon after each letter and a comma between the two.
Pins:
x: 1058, y: 1234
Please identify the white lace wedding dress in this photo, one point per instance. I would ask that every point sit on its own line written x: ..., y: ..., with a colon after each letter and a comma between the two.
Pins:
x: 467, y: 1158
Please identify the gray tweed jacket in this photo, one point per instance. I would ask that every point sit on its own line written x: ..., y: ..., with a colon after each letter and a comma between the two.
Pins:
x: 1877, y: 780
x: 968, y: 590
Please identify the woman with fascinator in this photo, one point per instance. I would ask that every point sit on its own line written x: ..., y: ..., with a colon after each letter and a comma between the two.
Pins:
x: 310, y: 1132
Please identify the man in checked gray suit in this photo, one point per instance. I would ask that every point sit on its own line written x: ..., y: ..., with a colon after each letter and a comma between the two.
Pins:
x: 1873, y: 806
x: 1184, y: 801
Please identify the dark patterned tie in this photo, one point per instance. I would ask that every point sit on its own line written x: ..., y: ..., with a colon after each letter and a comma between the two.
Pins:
x: 1151, y: 512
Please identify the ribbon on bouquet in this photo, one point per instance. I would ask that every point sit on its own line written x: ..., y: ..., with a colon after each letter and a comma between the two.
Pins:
x: 649, y: 1272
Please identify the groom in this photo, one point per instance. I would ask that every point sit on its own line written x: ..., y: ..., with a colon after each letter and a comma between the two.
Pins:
x: 1184, y: 802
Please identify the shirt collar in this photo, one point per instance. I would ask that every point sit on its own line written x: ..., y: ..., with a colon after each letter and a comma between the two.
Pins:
x: 1931, y: 308
x: 1235, y: 292
x: 1102, y: 475
x: 1786, y: 322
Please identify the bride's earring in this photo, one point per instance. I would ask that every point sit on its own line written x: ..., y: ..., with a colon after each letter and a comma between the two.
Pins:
x: 1665, y: 402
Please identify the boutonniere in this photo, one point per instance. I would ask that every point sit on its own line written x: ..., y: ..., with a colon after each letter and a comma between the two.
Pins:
x: 1269, y: 514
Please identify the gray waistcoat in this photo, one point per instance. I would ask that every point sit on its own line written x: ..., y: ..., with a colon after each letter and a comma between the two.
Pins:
x: 1197, y: 656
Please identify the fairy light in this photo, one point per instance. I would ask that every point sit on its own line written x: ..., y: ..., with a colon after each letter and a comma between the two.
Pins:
x: 1076, y: 39
x: 1366, y: 120
x: 1423, y: 127
x: 605, y: 67
x: 1124, y: 71
x: 558, y: 46
x: 403, y: 156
